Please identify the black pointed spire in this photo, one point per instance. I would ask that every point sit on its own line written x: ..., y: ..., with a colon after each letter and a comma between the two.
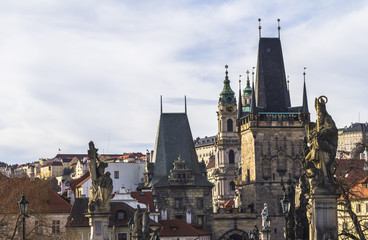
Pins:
x: 271, y: 87
x: 253, y: 106
x: 305, y: 100
x: 240, y: 105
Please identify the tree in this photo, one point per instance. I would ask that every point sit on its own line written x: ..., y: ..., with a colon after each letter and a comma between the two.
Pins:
x: 350, y: 177
x: 43, y: 222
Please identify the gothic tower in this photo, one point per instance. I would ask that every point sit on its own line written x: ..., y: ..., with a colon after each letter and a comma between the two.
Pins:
x: 228, y: 146
x: 271, y: 136
x: 178, y: 181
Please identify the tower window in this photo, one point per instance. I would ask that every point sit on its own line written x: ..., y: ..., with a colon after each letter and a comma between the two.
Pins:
x: 178, y: 203
x: 231, y: 157
x: 229, y: 125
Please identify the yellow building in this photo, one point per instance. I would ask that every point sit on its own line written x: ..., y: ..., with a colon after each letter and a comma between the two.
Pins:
x: 51, y: 169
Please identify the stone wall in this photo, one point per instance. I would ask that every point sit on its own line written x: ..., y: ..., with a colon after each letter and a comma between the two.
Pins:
x: 178, y: 200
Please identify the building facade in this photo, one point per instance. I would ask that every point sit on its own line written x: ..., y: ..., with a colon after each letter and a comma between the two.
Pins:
x: 350, y: 137
x: 271, y: 136
x: 178, y: 181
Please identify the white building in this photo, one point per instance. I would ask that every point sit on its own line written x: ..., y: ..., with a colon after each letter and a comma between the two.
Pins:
x: 127, y: 174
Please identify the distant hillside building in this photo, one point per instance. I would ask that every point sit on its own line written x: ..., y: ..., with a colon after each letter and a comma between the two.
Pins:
x: 350, y: 136
x: 178, y: 181
x: 205, y: 148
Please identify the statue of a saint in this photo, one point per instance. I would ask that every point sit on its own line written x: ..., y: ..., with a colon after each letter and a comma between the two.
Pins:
x: 264, y: 214
x: 100, y: 191
x: 138, y: 215
x: 145, y: 225
x: 322, y: 140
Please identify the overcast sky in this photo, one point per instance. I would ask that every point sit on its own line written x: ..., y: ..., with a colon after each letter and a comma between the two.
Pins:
x: 75, y: 71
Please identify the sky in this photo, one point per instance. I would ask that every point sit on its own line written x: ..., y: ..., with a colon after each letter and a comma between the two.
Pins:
x: 76, y: 71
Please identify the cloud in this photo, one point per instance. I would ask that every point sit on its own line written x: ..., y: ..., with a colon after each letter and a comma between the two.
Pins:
x: 79, y: 71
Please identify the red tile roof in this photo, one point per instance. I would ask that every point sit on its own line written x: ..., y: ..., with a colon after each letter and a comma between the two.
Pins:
x: 177, y: 228
x: 211, y: 164
x: 75, y: 182
x: 42, y: 199
x: 53, y: 164
x: 229, y: 204
x: 144, y: 197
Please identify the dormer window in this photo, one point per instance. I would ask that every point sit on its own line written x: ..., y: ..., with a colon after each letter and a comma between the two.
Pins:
x: 120, y: 215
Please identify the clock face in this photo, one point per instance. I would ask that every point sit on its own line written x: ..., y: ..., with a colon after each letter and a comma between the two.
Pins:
x: 229, y: 108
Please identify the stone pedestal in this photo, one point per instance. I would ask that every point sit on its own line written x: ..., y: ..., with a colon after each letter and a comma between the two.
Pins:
x: 323, y: 217
x: 266, y: 234
x: 99, y: 223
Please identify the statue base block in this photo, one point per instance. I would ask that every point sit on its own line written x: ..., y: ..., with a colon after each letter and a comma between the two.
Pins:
x: 99, y: 222
x: 266, y: 234
x: 323, y: 217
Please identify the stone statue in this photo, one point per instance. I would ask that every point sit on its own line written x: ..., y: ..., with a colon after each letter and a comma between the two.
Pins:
x: 145, y: 225
x: 100, y: 191
x: 137, y: 229
x: 290, y: 192
x: 155, y: 234
x: 322, y: 139
x: 301, y: 204
x: 255, y: 233
x: 264, y: 214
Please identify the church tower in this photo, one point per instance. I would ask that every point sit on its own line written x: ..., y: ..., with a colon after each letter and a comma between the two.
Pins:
x: 271, y: 136
x: 228, y: 146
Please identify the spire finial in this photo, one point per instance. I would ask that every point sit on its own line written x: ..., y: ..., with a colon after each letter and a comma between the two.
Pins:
x: 253, y: 75
x: 240, y: 107
x: 226, y: 72
x: 304, y: 73
x: 161, y: 103
x: 185, y: 103
x: 240, y: 81
x: 259, y: 27
x: 288, y: 82
x: 278, y: 26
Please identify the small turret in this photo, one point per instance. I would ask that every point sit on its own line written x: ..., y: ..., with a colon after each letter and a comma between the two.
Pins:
x: 227, y: 96
x: 247, y: 96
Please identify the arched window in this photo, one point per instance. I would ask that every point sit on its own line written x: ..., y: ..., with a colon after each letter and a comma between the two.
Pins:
x: 231, y: 157
x: 232, y: 185
x: 229, y: 125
